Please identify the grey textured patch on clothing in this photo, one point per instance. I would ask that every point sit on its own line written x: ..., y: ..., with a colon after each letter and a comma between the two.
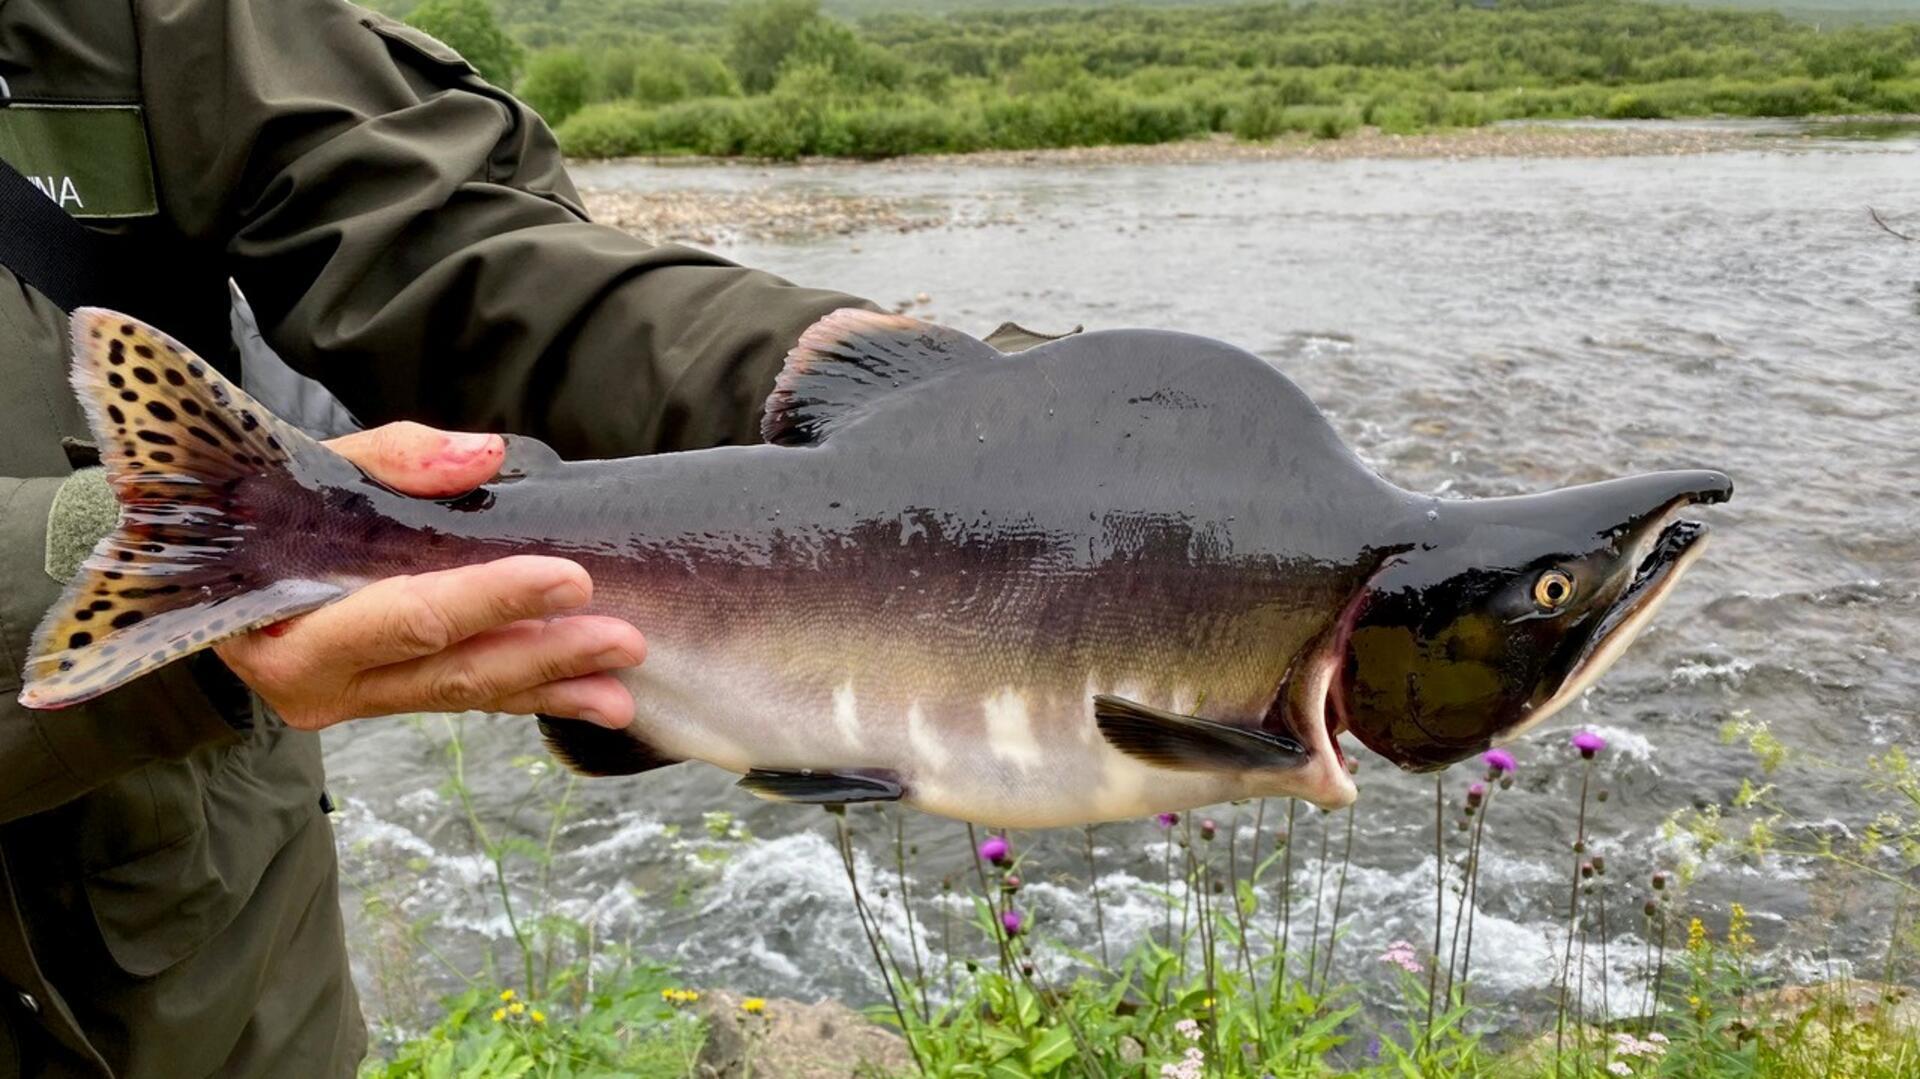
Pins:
x: 83, y: 512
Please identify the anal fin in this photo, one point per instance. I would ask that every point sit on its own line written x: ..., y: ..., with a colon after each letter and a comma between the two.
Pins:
x: 1188, y: 743
x: 593, y: 750
x: 810, y: 787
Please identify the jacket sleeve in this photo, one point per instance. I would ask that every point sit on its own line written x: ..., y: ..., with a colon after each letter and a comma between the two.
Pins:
x: 408, y: 235
x: 48, y: 758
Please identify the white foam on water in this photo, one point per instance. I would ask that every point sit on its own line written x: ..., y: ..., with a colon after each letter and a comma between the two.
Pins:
x: 631, y: 833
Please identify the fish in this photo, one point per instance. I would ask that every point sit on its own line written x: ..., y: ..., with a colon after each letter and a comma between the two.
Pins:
x: 1120, y: 573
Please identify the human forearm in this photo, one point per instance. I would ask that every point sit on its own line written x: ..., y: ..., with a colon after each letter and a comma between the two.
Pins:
x: 409, y: 236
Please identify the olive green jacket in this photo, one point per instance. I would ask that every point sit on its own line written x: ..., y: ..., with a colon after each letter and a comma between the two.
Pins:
x: 408, y: 236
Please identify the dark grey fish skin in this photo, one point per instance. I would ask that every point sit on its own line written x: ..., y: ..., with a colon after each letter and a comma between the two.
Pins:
x: 948, y: 556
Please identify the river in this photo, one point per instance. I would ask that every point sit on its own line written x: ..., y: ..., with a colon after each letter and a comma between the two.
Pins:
x: 1473, y: 327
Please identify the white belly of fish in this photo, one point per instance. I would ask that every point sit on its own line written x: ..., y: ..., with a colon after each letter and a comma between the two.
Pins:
x: 1003, y: 756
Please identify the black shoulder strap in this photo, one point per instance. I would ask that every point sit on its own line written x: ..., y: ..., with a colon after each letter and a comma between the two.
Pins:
x: 68, y: 262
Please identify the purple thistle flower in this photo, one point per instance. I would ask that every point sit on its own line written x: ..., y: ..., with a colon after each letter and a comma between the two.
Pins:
x: 994, y: 850
x: 1476, y: 791
x: 1207, y: 828
x: 1499, y: 762
x: 1589, y: 743
x: 1168, y: 820
x: 1011, y: 921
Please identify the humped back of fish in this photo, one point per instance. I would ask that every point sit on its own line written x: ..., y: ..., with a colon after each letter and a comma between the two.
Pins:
x: 946, y: 554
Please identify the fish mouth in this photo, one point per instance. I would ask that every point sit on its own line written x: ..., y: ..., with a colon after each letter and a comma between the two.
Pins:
x: 1671, y: 551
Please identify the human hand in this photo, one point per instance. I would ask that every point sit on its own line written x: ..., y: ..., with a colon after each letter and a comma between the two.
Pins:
x: 476, y: 637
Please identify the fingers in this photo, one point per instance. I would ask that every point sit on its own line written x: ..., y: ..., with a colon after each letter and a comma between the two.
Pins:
x: 423, y: 461
x: 525, y: 667
x: 403, y: 618
x: 596, y: 698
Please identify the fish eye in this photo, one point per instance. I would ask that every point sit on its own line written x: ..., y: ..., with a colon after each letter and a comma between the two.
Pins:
x: 1552, y: 590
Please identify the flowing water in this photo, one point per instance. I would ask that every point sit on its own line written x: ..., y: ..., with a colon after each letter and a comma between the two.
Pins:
x: 1476, y: 327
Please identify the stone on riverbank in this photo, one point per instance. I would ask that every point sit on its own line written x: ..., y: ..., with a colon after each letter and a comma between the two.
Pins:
x: 791, y: 1040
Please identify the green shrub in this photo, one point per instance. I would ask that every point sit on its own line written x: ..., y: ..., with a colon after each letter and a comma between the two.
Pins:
x: 557, y: 84
x: 611, y: 129
x: 1631, y: 106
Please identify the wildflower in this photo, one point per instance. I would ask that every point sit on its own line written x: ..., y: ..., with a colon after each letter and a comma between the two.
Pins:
x: 1599, y: 866
x: 1499, y: 762
x: 516, y: 1008
x: 1620, y: 1067
x: 1208, y: 828
x: 679, y: 996
x: 1191, y: 1066
x: 1476, y: 793
x: 537, y: 1016
x: 753, y: 1005
x: 1659, y: 881
x: 1010, y: 882
x: 1400, y: 953
x: 1651, y: 908
x: 507, y: 994
x: 499, y: 1015
x: 1696, y: 936
x: 994, y: 850
x: 1187, y: 1029
x: 1737, y: 936
x: 1011, y: 921
x: 1657, y: 1038
x: 1589, y: 744
x: 1168, y: 820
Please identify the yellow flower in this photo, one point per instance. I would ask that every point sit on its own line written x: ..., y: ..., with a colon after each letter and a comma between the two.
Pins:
x: 499, y: 1014
x: 667, y: 995
x: 1696, y: 936
x: 516, y: 1008
x: 753, y: 1005
x: 679, y: 996
x: 537, y: 1016
x: 1737, y: 936
x: 507, y: 994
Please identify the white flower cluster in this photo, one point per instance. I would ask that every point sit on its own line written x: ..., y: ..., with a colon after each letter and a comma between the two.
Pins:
x: 1194, y: 1063
x: 1652, y: 1047
x: 1191, y: 1066
x: 1400, y: 954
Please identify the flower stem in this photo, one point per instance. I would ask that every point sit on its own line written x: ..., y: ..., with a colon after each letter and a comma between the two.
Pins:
x: 1439, y: 897
x: 1573, y: 917
x: 1099, y: 916
x: 1339, y: 898
x: 870, y: 928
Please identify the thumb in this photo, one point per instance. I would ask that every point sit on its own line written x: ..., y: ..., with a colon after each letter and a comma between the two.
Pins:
x: 423, y: 461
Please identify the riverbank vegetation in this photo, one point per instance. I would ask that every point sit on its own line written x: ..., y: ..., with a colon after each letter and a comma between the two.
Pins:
x: 1237, y: 978
x: 782, y: 79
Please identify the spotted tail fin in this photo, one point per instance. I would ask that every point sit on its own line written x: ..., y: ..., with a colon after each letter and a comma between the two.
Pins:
x: 192, y: 460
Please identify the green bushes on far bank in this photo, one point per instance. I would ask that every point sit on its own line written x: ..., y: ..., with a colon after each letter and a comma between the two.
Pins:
x: 778, y: 79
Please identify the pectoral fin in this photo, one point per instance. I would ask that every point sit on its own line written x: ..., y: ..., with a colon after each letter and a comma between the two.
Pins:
x: 593, y: 750
x: 822, y: 788
x: 1189, y: 743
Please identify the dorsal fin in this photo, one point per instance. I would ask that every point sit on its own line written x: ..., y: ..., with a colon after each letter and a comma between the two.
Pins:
x: 852, y: 357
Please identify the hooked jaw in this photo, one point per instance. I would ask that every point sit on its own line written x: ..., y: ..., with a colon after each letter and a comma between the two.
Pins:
x: 1456, y: 654
x: 1673, y: 550
x: 1664, y: 546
